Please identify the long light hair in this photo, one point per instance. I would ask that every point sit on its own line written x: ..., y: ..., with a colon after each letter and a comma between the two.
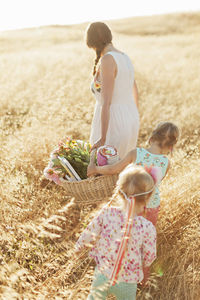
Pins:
x: 133, y: 180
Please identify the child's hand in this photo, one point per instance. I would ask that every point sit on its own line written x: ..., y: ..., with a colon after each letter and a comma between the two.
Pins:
x: 91, y: 170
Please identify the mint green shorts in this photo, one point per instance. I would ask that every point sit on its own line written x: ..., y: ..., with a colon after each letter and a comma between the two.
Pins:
x: 100, y: 289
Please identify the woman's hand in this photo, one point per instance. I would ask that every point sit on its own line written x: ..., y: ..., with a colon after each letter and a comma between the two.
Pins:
x: 91, y: 170
x: 98, y: 144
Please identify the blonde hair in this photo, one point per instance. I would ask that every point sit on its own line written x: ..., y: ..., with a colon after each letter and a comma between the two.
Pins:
x: 134, y: 180
x: 166, y: 134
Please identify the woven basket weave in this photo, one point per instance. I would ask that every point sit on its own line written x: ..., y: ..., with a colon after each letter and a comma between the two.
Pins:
x: 91, y: 190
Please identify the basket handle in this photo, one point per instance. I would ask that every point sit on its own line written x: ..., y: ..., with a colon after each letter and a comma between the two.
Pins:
x: 92, y: 156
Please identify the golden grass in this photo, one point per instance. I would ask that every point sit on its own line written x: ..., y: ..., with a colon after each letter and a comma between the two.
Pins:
x: 45, y: 77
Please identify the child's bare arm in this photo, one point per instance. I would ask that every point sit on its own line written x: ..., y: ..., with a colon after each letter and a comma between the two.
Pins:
x: 89, y: 236
x: 168, y: 167
x: 115, y: 168
x: 149, y: 244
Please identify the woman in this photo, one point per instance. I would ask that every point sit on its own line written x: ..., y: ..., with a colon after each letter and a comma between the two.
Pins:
x: 116, y: 117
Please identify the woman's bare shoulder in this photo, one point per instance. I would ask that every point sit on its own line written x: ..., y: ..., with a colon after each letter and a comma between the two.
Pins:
x: 107, y: 59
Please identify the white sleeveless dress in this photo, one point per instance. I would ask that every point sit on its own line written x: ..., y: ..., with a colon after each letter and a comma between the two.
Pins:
x: 123, y: 125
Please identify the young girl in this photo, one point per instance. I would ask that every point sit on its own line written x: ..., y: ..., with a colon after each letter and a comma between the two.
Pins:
x: 161, y: 141
x: 124, y: 242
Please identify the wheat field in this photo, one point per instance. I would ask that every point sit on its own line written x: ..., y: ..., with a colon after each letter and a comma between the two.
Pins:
x: 45, y: 96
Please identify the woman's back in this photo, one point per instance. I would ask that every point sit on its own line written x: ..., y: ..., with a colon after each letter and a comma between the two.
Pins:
x: 123, y: 125
x: 123, y: 87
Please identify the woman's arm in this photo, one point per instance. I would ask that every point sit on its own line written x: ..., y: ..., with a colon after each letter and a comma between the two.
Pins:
x: 108, y: 71
x: 135, y: 94
x: 115, y: 168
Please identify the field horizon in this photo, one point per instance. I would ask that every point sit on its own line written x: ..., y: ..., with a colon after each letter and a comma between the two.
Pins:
x: 45, y: 97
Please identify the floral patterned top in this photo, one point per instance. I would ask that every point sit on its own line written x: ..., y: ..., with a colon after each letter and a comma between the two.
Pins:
x: 105, y: 231
x: 145, y: 157
x: 96, y: 86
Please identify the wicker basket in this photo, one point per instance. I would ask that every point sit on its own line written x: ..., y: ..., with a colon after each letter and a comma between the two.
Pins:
x: 91, y: 190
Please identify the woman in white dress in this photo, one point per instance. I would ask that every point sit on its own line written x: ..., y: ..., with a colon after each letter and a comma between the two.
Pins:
x: 116, y: 118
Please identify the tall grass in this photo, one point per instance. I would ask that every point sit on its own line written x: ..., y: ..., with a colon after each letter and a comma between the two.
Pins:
x: 45, y: 96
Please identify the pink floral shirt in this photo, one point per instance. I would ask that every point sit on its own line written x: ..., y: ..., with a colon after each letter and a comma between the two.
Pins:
x: 105, y: 230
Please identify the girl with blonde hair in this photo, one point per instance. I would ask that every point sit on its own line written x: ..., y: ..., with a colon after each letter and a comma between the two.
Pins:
x: 122, y: 242
x: 161, y: 142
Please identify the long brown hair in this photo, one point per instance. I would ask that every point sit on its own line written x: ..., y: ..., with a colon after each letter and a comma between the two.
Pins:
x: 98, y: 36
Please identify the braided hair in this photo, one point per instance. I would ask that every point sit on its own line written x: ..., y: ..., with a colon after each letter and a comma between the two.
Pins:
x: 98, y: 36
